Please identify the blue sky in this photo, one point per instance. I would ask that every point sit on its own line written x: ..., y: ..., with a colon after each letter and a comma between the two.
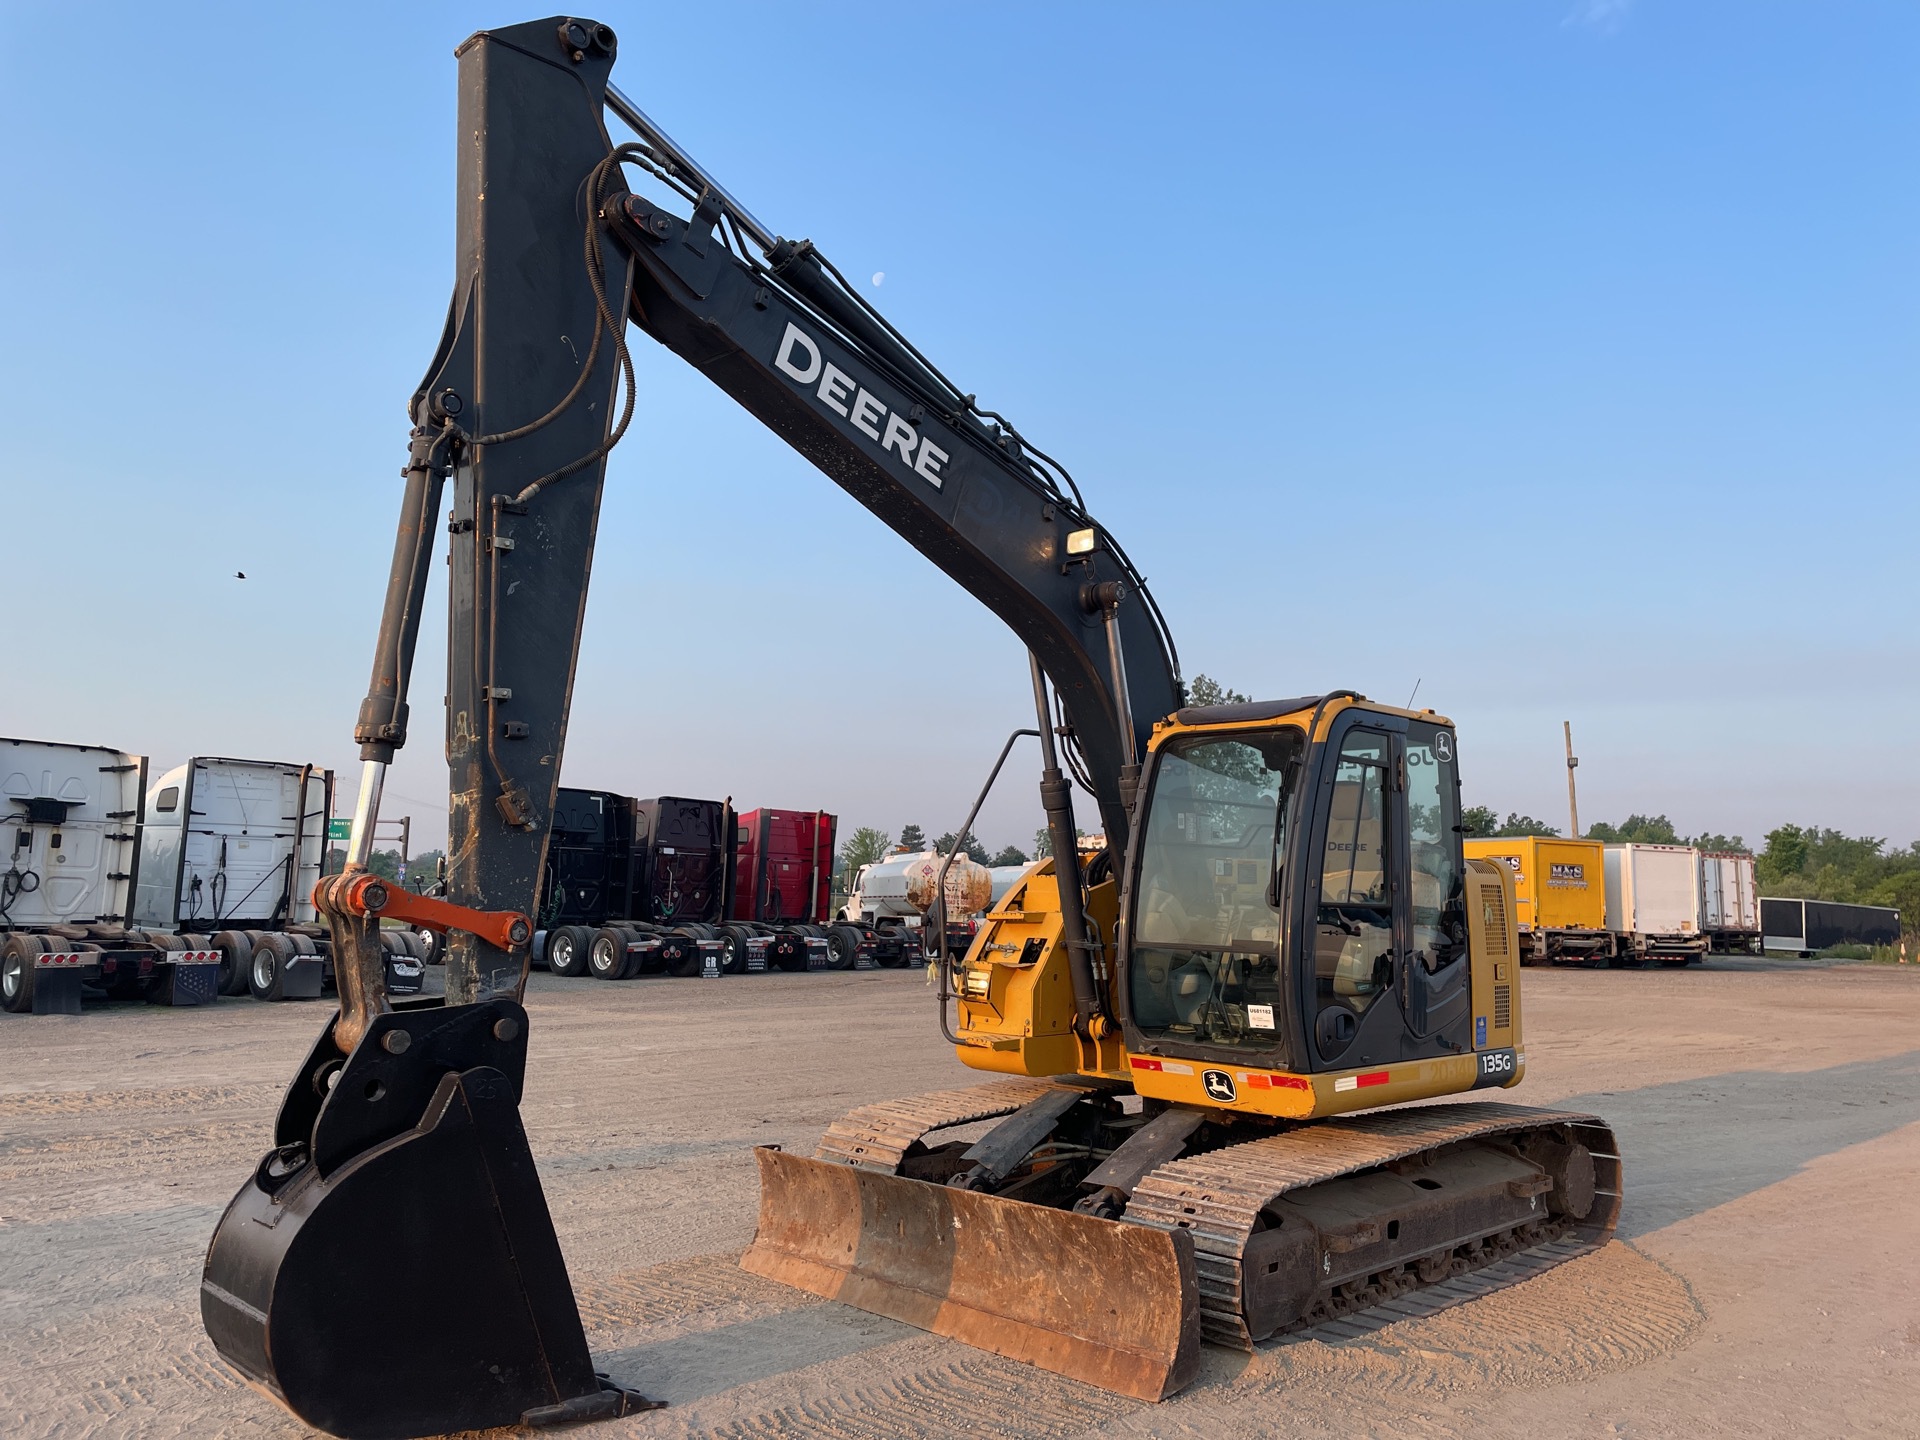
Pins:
x: 1559, y: 357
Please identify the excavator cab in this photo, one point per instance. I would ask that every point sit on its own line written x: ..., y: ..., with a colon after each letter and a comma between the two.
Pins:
x: 1299, y: 907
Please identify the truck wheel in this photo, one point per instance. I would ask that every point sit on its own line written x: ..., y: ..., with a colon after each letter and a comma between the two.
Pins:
x: 607, y: 954
x: 567, y: 951
x: 236, y: 953
x: 267, y: 970
x: 16, y: 972
x: 843, y: 947
x: 733, y: 959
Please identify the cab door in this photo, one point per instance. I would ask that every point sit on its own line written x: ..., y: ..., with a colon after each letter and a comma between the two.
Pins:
x: 1385, y: 920
x: 1434, y: 985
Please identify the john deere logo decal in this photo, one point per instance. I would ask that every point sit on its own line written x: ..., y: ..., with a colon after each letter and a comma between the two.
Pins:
x: 1219, y: 1084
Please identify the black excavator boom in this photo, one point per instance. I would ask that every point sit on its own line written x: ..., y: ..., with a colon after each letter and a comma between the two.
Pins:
x: 391, y: 1268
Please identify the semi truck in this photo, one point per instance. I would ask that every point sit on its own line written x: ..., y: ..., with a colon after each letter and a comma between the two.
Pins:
x: 633, y: 886
x: 72, y: 839
x: 1653, y: 904
x: 1729, y: 902
x: 230, y: 849
x: 197, y: 886
x: 1806, y: 927
x: 1560, y: 893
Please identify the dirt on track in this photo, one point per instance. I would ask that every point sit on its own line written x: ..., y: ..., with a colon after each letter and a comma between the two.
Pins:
x: 1766, y: 1280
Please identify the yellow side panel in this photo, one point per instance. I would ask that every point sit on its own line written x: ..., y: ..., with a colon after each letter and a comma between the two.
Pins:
x: 1016, y: 993
x: 1494, y: 954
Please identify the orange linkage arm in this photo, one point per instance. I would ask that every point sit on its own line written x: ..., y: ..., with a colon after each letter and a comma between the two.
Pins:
x: 369, y: 895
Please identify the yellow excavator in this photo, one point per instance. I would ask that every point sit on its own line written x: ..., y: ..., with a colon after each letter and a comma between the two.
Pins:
x: 1201, y: 1037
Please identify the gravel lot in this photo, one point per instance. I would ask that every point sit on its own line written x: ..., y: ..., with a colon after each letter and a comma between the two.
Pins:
x: 1767, y: 1279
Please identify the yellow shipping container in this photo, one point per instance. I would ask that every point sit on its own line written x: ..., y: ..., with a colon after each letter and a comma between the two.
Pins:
x: 1561, y: 889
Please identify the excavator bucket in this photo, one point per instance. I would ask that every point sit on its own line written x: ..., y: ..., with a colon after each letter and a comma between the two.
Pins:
x: 391, y: 1269
x: 1112, y: 1304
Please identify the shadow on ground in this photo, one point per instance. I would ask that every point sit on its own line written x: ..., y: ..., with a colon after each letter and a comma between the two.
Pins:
x: 1695, y: 1144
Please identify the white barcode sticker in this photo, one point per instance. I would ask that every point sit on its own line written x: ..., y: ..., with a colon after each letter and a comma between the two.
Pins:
x: 1260, y: 1017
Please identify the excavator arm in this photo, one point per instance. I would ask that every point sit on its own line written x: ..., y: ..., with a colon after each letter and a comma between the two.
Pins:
x: 523, y: 403
x: 531, y: 387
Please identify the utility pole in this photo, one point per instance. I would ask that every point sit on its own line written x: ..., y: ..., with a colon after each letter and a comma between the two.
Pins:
x: 406, y: 846
x: 1573, y: 763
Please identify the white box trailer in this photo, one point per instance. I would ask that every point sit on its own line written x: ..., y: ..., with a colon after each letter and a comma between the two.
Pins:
x: 72, y: 855
x: 1653, y: 903
x: 1729, y: 901
x: 230, y: 850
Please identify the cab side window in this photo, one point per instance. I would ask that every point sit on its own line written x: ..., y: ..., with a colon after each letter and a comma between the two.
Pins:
x: 1353, y: 930
x: 1433, y: 846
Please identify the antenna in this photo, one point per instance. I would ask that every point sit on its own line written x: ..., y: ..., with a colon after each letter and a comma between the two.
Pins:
x: 1416, y: 691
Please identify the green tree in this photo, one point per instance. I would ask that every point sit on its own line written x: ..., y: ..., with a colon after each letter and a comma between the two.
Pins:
x: 913, y: 838
x: 1205, y: 690
x: 1478, y: 822
x: 1523, y: 825
x: 1636, y: 830
x: 1012, y: 855
x: 969, y: 843
x: 423, y: 870
x: 1727, y: 844
x: 864, y: 847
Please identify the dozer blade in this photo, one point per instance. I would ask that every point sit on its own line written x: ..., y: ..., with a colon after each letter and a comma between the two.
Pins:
x: 393, y: 1271
x: 1112, y: 1304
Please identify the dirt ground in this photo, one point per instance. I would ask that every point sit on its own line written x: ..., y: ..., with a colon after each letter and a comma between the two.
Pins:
x: 1766, y: 1282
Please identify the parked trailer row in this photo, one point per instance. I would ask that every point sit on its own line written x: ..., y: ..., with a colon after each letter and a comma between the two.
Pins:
x: 1583, y: 902
x: 197, y: 886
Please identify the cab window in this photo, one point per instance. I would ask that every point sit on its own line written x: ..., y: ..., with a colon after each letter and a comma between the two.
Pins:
x: 1353, y: 929
x: 1433, y: 846
x: 1204, y: 965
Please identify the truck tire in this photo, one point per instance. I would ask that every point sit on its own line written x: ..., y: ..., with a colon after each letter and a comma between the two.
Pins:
x: 236, y: 954
x: 843, y: 947
x: 16, y: 973
x: 733, y: 959
x: 607, y: 954
x: 267, y: 968
x: 567, y: 950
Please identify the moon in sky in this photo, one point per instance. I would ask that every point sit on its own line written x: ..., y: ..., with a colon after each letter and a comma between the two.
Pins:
x: 879, y: 277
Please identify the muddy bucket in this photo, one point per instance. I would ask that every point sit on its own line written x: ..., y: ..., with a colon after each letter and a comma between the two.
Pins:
x: 1112, y: 1304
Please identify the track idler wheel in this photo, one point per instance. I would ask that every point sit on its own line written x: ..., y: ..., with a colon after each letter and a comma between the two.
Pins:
x: 391, y: 1269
